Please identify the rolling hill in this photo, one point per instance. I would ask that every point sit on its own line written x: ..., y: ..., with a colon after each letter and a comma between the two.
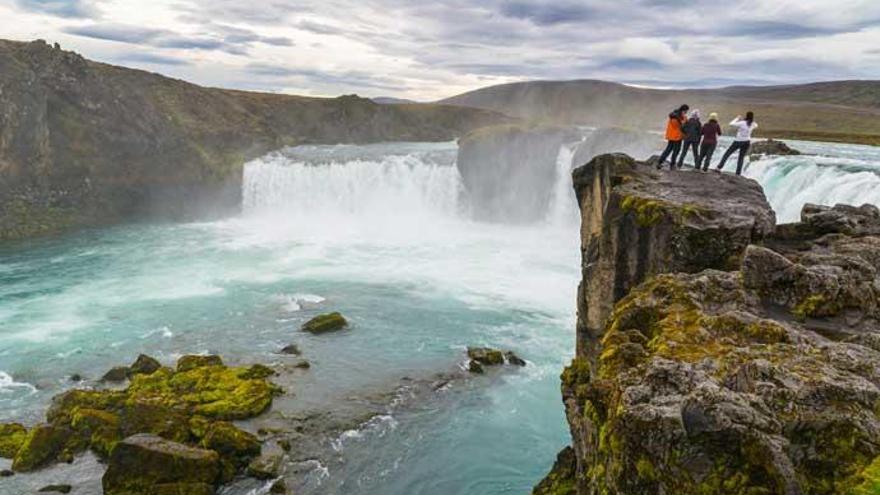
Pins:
x: 847, y: 111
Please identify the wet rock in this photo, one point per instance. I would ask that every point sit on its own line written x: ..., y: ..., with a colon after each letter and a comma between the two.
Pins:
x: 486, y: 356
x: 144, y: 365
x: 76, y: 377
x: 279, y: 487
x: 56, y: 489
x: 265, y: 467
x: 325, y: 323
x: 12, y: 435
x: 285, y: 445
x: 116, y: 375
x: 302, y: 364
x: 187, y: 363
x: 5, y: 473
x: 513, y: 359
x: 147, y: 464
x: 771, y: 147
x: 291, y: 349
x: 476, y: 367
x: 236, y: 447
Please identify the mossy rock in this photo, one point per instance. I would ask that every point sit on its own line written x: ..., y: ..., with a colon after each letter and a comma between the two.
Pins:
x: 325, y: 323
x: 187, y: 363
x: 486, y: 356
x: 42, y: 446
x: 144, y: 365
x: 231, y: 442
x: 186, y: 407
x: 116, y: 375
x: 12, y: 436
x: 561, y: 479
x: 150, y: 465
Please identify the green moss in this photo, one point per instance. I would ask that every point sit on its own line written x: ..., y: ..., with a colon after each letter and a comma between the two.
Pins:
x: 325, y: 323
x: 189, y: 407
x: 815, y: 306
x: 43, y: 444
x: 645, y: 470
x: 648, y: 212
x: 867, y: 482
x: 12, y: 436
x: 187, y: 363
x: 20, y: 220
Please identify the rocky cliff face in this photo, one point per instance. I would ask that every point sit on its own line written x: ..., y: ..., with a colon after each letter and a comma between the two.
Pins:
x: 85, y: 143
x: 718, y: 354
x: 509, y: 171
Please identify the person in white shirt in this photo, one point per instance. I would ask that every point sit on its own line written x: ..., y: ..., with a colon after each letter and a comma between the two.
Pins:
x: 741, y: 142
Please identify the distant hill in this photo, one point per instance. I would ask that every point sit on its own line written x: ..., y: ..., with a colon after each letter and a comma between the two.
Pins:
x: 390, y: 100
x: 85, y: 143
x: 846, y: 111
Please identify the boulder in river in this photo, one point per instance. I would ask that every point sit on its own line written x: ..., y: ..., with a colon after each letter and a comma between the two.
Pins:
x: 479, y: 357
x: 772, y: 147
x: 12, y: 435
x: 149, y: 465
x: 116, y: 375
x: 291, y: 349
x: 329, y: 322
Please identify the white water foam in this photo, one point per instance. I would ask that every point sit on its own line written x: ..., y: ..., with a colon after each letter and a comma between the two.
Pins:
x: 791, y: 182
x: 8, y: 385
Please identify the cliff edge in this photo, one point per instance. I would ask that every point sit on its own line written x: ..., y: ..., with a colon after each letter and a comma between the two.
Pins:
x: 718, y: 353
x: 85, y: 143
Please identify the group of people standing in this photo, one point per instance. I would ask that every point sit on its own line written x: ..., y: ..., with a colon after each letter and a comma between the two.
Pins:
x: 686, y: 132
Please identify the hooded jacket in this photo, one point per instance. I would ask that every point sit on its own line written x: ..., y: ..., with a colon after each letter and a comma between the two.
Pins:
x: 692, y: 129
x: 674, y: 126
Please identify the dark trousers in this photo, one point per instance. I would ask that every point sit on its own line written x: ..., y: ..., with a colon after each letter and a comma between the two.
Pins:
x: 690, y: 146
x: 743, y: 147
x: 672, y: 147
x: 706, y: 152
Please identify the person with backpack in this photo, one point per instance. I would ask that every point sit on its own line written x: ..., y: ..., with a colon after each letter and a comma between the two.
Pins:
x: 692, y: 130
x: 741, y: 142
x: 711, y: 131
x: 674, y: 135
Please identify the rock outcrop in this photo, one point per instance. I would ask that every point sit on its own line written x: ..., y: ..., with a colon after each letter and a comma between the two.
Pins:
x: 85, y: 143
x: 772, y: 147
x: 740, y: 359
x: 509, y: 171
x: 325, y: 323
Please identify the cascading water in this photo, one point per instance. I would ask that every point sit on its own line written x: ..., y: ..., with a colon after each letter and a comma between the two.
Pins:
x: 829, y: 175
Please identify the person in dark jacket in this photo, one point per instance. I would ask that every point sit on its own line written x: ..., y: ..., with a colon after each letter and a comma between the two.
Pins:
x: 692, y: 130
x: 674, y: 135
x: 710, y: 132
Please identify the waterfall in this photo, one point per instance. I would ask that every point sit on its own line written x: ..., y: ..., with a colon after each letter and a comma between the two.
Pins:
x: 563, y: 210
x: 792, y: 181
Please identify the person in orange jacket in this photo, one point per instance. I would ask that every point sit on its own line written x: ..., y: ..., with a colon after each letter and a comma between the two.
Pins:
x: 674, y: 135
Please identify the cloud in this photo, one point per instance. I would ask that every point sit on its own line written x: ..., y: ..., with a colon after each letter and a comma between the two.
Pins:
x: 116, y: 32
x: 547, y: 13
x: 151, y: 59
x: 60, y: 8
x: 427, y: 50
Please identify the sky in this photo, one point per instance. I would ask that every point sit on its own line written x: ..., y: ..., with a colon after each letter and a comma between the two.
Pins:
x: 427, y: 50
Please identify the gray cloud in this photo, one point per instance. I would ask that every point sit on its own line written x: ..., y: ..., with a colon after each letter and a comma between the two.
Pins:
x: 152, y: 59
x: 60, y: 8
x: 116, y: 32
x: 548, y: 13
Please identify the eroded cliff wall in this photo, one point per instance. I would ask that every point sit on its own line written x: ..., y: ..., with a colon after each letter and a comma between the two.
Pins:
x: 718, y: 354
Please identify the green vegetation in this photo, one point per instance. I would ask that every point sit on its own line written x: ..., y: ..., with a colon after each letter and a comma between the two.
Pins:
x: 191, y: 406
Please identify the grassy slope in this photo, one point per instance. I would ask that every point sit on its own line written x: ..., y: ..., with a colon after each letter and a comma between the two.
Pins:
x: 837, y: 111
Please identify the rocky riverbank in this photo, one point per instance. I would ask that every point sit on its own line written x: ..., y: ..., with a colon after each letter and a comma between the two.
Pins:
x: 85, y: 143
x: 717, y: 352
